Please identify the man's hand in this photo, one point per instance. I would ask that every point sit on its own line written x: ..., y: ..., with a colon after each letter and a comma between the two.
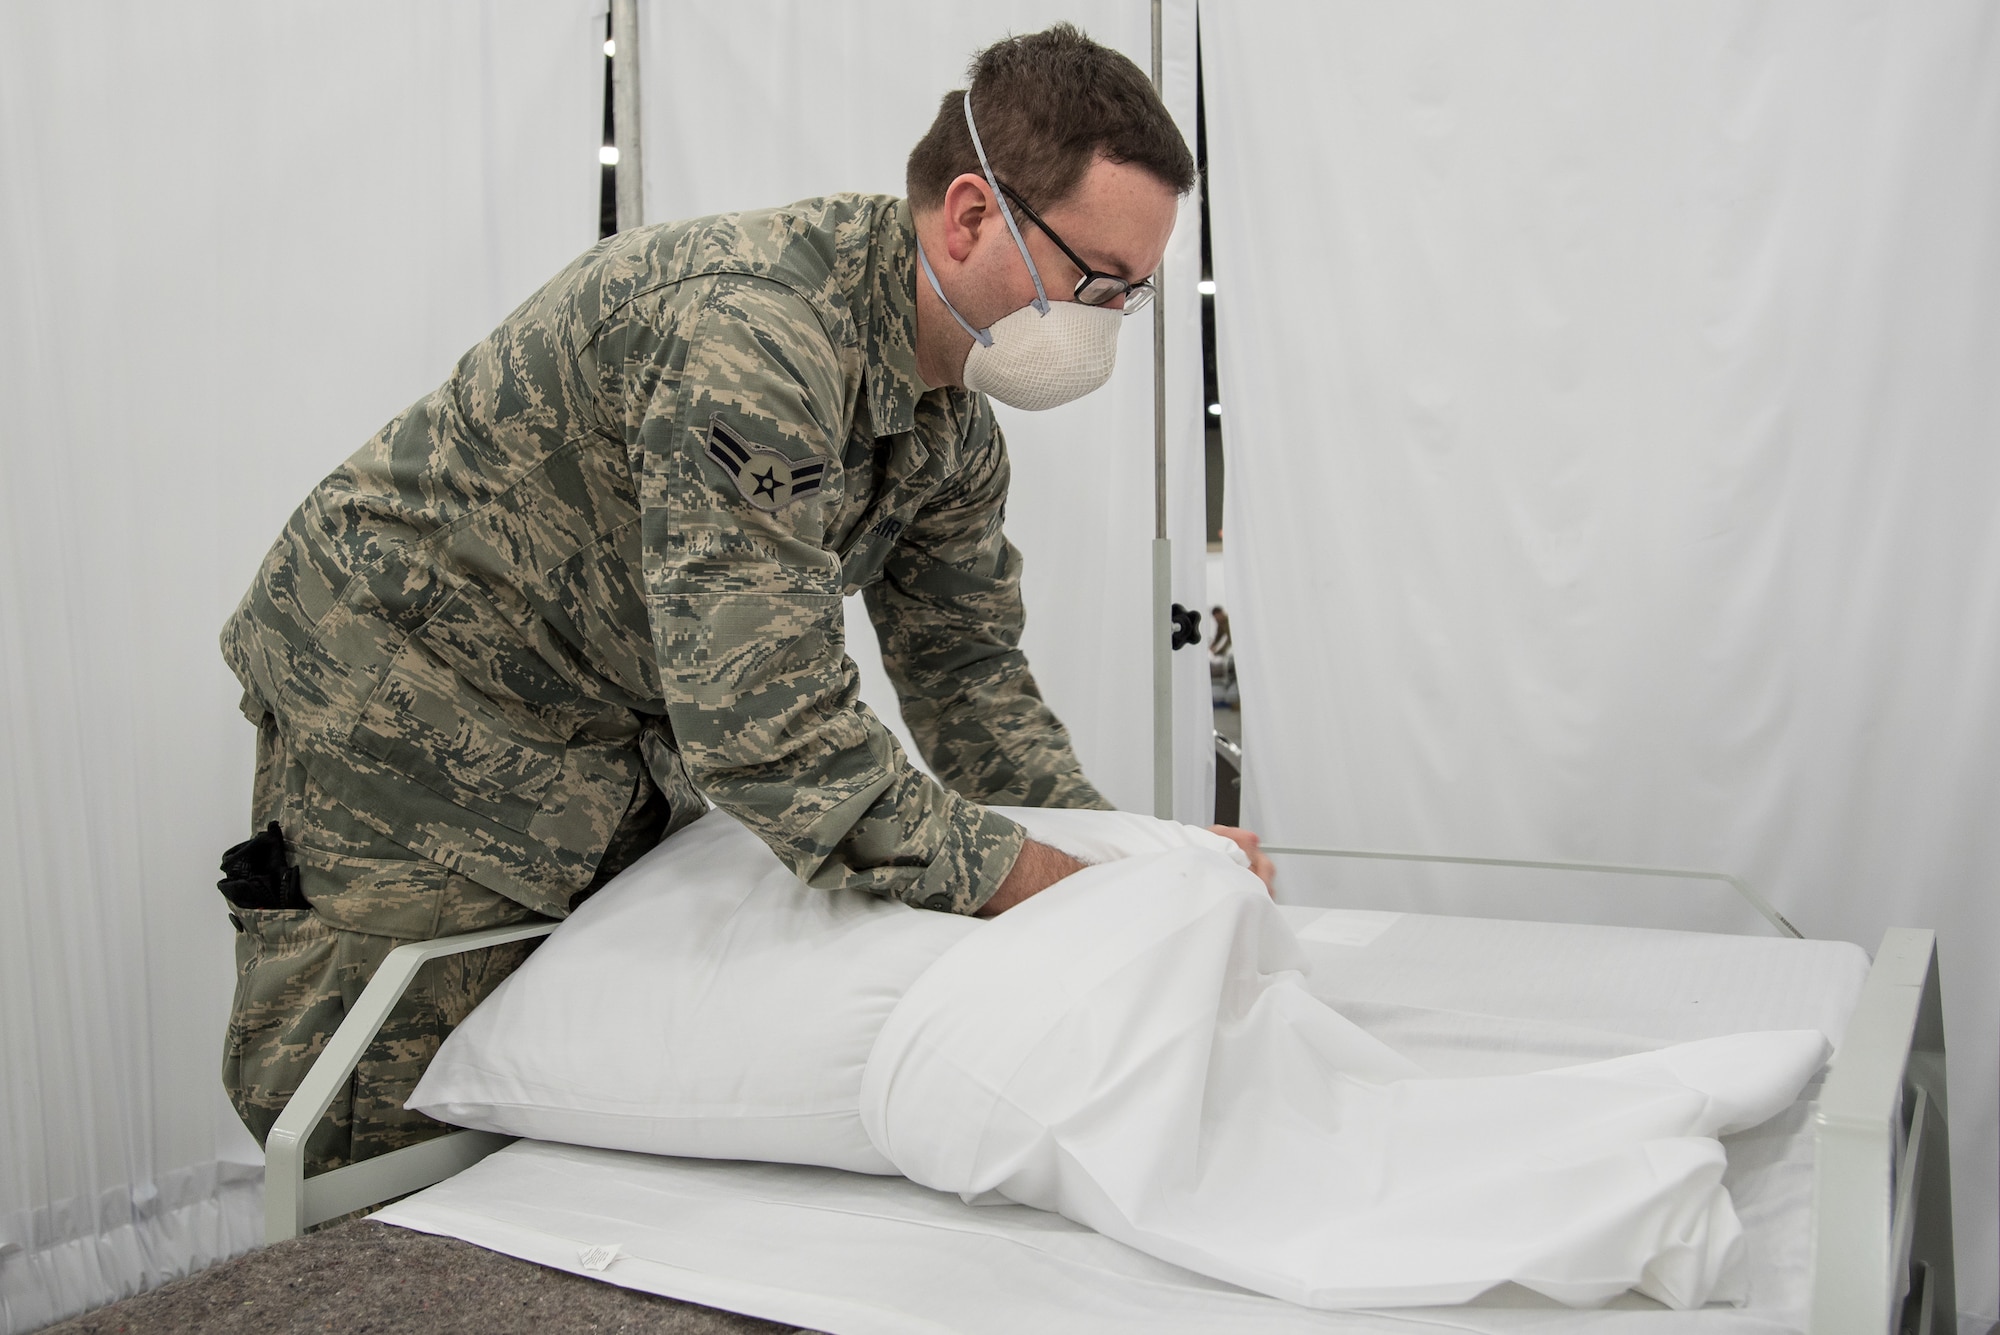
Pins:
x: 1036, y: 869
x: 1243, y: 839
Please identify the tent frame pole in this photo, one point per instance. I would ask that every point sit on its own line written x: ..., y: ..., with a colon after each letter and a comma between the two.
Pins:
x: 625, y: 114
x: 1163, y: 548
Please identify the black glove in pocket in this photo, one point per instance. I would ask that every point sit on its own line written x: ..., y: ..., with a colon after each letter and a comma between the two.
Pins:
x: 255, y: 874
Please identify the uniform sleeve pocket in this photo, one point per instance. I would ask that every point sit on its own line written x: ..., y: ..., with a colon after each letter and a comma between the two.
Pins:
x: 471, y: 710
x: 760, y: 683
x: 717, y: 649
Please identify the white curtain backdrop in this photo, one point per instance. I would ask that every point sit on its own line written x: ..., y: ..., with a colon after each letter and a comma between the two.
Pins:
x: 761, y: 102
x: 1614, y: 460
x: 235, y: 239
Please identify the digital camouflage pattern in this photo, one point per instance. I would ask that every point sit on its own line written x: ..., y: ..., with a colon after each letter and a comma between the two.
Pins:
x: 538, y: 581
x: 597, y: 577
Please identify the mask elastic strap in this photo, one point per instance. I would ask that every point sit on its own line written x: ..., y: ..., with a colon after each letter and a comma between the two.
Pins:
x: 984, y: 339
x: 1041, y: 297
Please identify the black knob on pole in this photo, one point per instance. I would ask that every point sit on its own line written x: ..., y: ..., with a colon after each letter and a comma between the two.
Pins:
x: 1187, y: 626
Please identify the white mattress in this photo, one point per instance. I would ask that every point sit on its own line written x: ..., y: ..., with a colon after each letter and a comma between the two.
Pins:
x: 849, y: 1253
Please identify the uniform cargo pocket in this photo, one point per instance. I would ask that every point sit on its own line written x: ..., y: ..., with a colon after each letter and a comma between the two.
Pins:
x: 473, y: 712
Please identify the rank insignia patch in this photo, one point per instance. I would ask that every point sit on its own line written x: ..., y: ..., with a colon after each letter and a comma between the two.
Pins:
x: 767, y: 479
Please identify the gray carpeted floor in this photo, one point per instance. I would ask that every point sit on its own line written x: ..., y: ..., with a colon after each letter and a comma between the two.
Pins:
x: 371, y: 1279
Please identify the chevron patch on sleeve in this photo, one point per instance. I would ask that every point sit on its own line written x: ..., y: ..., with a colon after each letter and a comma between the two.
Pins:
x: 767, y: 479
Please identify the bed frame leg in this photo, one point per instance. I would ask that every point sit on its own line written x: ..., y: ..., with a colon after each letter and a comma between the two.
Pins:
x: 1882, y: 1243
x: 292, y: 1204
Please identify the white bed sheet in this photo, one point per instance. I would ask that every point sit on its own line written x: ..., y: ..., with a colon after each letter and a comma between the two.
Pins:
x: 850, y: 1253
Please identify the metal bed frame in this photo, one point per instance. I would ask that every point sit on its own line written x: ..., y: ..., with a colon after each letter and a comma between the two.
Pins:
x: 1882, y: 1240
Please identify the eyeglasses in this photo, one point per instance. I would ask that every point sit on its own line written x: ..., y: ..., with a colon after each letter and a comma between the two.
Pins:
x: 1095, y: 288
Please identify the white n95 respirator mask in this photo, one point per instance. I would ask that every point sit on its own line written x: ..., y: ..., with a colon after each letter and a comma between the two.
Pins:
x: 1035, y: 359
x: 1044, y: 354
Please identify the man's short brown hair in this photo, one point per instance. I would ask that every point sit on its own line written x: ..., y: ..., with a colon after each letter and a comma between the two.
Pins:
x: 1047, y: 104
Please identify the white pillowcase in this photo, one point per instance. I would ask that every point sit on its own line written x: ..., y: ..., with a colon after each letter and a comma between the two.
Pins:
x: 1107, y: 836
x: 706, y: 1003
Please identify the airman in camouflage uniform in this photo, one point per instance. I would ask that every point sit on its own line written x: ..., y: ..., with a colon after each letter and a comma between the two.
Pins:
x: 597, y: 578
x: 595, y: 582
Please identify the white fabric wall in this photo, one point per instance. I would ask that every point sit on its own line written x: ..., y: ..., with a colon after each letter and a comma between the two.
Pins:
x: 234, y: 240
x: 1612, y: 421
x: 761, y: 102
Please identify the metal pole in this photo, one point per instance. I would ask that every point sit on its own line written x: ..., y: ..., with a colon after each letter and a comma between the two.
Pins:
x: 1163, y: 548
x: 625, y: 113
x: 1159, y: 334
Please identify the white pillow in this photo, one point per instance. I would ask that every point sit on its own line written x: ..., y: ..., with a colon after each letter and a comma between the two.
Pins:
x: 1106, y: 836
x: 706, y: 1003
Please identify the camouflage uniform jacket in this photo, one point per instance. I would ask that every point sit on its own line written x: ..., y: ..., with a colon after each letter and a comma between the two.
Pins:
x: 618, y: 538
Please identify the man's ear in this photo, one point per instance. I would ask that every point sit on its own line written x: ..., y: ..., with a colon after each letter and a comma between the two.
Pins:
x: 968, y: 207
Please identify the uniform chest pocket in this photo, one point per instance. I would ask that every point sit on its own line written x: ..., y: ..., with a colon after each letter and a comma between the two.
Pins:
x: 470, y: 709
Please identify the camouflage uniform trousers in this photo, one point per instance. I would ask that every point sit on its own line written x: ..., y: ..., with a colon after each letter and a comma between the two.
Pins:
x: 298, y: 971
